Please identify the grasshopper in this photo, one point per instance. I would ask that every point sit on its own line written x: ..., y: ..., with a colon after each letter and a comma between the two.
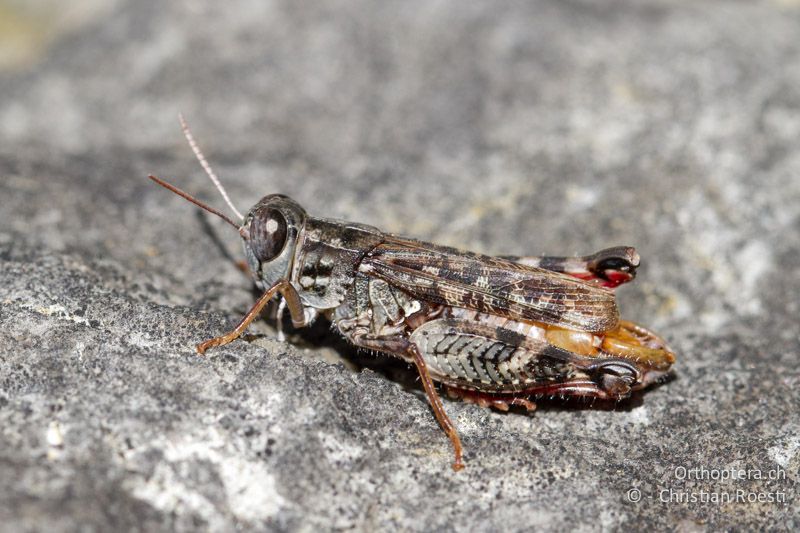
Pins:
x: 495, y: 331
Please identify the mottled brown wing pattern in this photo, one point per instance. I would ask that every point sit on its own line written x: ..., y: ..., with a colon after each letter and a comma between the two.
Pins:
x: 492, y: 285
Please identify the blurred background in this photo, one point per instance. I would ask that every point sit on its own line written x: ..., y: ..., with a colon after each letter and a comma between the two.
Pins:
x: 535, y: 127
x: 516, y: 127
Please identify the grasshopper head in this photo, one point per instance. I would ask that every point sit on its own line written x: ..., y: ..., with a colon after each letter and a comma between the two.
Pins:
x: 270, y: 232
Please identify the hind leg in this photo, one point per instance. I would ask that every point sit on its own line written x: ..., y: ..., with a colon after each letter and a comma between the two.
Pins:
x: 501, y: 403
x: 400, y: 346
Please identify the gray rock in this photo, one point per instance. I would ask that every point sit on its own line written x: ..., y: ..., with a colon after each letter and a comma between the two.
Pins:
x: 514, y: 127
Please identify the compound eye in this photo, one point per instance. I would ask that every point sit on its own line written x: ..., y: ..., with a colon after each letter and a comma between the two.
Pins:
x: 268, y: 234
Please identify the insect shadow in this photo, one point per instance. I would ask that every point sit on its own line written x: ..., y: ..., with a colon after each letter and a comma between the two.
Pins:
x: 216, y: 241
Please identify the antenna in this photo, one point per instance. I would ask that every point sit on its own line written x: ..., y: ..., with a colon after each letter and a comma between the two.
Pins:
x: 202, y: 159
x: 195, y: 201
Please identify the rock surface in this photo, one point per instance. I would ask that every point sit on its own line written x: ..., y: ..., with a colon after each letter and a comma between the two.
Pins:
x: 513, y: 127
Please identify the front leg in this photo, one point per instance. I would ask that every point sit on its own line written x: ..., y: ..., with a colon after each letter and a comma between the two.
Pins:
x: 282, y: 287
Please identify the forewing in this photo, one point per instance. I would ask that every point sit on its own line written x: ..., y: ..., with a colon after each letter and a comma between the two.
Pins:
x: 491, y: 285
